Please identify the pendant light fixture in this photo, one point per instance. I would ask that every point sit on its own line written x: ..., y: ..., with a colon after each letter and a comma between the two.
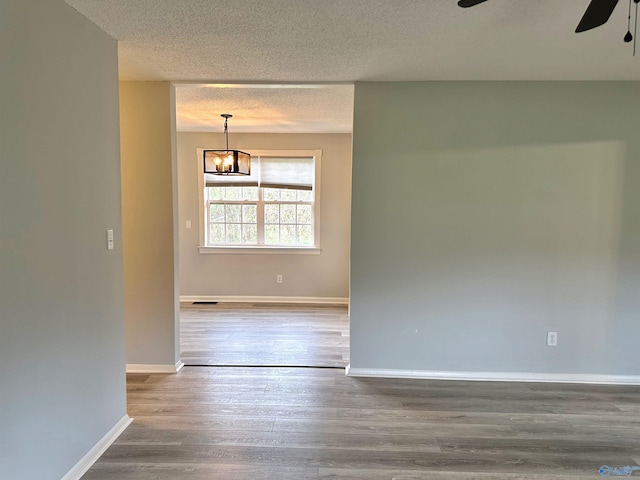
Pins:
x: 227, y: 162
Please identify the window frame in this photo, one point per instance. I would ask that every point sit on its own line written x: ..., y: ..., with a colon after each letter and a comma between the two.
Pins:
x: 203, y: 210
x: 256, y: 203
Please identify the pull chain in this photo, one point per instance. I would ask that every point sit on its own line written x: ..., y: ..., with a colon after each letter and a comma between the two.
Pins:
x: 628, y: 37
x: 635, y: 27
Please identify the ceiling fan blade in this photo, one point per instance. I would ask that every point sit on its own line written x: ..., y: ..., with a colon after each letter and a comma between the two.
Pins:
x: 598, y: 12
x: 469, y: 3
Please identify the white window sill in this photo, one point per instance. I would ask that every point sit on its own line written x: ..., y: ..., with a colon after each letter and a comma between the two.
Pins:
x: 261, y: 250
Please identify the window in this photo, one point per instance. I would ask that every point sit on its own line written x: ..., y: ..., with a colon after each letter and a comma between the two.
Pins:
x: 274, y: 207
x: 259, y: 216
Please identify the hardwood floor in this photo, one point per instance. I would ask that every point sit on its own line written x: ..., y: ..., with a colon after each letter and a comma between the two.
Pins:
x: 236, y: 423
x: 264, y: 334
x: 302, y: 423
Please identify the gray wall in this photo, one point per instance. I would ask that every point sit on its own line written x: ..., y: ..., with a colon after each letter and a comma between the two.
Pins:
x: 324, y: 275
x: 62, y: 380
x: 148, y: 203
x: 486, y: 214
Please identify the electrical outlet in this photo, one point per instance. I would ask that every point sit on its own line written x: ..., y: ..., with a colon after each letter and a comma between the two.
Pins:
x: 187, y: 224
x: 278, y: 278
x: 552, y: 339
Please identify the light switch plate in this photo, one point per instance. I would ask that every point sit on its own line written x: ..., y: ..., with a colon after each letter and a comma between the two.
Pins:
x: 109, y: 239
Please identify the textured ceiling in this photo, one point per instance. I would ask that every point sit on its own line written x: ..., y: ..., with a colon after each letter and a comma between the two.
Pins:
x: 228, y: 41
x: 265, y: 108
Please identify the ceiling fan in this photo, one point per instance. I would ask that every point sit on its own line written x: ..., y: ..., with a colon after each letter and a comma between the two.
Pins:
x: 597, y: 14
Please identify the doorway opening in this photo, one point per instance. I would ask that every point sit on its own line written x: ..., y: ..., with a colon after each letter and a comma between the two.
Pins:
x: 264, y: 335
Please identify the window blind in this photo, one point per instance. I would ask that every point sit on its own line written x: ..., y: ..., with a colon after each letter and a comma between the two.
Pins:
x: 287, y: 172
x: 271, y: 172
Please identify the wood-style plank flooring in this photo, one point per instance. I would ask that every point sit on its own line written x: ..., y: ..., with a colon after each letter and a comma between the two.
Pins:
x: 264, y: 335
x: 305, y: 423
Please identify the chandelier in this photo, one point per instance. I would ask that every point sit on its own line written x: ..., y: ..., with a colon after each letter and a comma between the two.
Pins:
x: 227, y: 162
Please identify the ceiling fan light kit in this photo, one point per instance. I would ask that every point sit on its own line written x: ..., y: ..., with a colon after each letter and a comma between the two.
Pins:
x: 598, y: 13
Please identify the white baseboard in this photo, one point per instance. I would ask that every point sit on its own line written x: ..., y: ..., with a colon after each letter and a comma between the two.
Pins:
x: 154, y: 368
x: 497, y: 376
x: 265, y: 299
x: 80, y: 468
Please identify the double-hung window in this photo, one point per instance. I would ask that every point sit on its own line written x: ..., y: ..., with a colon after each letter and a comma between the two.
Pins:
x: 275, y: 206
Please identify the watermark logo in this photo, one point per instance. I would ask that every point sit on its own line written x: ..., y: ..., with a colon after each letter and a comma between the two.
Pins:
x: 607, y: 471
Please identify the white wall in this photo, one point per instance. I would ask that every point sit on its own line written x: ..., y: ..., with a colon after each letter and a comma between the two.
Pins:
x: 324, y: 275
x: 62, y: 361
x: 148, y: 223
x: 486, y: 214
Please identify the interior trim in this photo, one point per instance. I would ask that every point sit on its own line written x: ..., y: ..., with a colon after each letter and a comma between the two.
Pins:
x: 586, y: 378
x: 85, y: 463
x: 258, y: 250
x: 265, y: 299
x: 154, y: 367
